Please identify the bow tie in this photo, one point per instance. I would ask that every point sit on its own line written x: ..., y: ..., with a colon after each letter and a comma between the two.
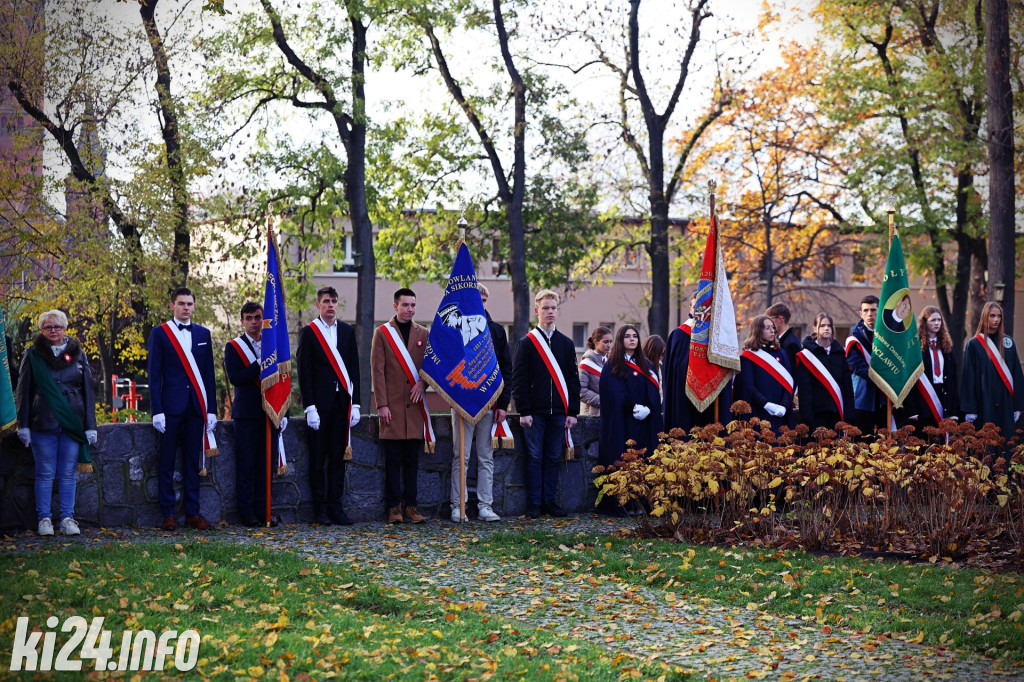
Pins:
x: 185, y: 327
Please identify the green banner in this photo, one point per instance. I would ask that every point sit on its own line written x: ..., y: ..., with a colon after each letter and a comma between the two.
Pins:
x: 896, y: 352
x: 8, y: 410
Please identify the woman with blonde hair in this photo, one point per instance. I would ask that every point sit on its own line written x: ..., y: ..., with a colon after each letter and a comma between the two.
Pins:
x: 992, y: 390
x: 56, y: 417
x: 766, y: 380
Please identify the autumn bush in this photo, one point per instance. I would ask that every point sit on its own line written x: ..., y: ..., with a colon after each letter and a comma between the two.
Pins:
x: 944, y: 493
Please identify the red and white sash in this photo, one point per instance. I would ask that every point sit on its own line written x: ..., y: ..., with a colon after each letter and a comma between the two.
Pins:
x: 653, y: 379
x: 394, y: 339
x: 853, y: 340
x: 992, y: 351
x: 930, y: 398
x: 340, y: 371
x: 588, y: 365
x: 822, y: 374
x: 501, y: 435
x: 248, y: 357
x: 770, y: 364
x: 188, y: 363
x: 687, y: 327
x: 544, y: 350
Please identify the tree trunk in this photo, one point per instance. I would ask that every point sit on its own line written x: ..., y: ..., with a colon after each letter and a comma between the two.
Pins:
x: 1001, y: 271
x: 657, y: 247
x: 172, y: 142
x: 362, y: 228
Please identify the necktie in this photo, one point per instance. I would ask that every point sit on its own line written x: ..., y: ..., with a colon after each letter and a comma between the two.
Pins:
x: 936, y: 369
x: 185, y: 327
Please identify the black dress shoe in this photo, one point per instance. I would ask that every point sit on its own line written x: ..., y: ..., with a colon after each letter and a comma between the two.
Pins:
x: 532, y: 513
x: 250, y: 522
x: 322, y: 519
x: 554, y: 510
x: 341, y: 519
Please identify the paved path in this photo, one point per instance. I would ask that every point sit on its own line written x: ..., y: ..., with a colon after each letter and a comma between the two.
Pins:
x: 714, y: 641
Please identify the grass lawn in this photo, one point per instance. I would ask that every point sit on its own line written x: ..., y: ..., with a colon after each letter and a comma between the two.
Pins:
x: 963, y: 608
x: 265, y: 614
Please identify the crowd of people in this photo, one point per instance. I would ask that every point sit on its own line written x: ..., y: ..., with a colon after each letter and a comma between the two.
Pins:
x: 636, y: 387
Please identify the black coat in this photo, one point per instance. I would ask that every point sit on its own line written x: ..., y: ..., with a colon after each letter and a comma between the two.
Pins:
x: 248, y: 401
x: 816, y: 405
x: 791, y: 345
x: 317, y: 381
x: 71, y: 372
x: 532, y: 386
x: 982, y: 391
x: 756, y: 386
x: 500, y: 340
x: 619, y: 394
x: 948, y: 391
x: 677, y: 358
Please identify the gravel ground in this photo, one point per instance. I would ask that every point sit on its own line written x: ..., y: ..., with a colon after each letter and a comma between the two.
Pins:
x: 713, y: 641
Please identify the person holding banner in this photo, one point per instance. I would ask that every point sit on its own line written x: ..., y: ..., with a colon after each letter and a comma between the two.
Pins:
x: 546, y: 389
x: 678, y: 407
x: 183, y: 393
x: 939, y: 398
x: 56, y: 417
x: 631, y: 398
x: 329, y: 384
x: 594, y: 358
x: 992, y: 390
x: 487, y: 432
x: 868, y: 402
x: 396, y: 356
x: 766, y: 379
x: 823, y: 377
x: 242, y: 364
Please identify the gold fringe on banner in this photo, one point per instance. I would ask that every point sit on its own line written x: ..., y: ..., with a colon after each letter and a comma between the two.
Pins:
x: 348, y: 453
x: 212, y: 452
x: 283, y: 369
x: 282, y: 470
x: 84, y: 467
x: 569, y: 454
x: 202, y: 472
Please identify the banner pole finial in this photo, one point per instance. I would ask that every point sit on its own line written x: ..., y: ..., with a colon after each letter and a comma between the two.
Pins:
x: 462, y: 222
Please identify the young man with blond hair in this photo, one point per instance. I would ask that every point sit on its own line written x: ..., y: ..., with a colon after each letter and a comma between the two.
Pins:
x: 546, y: 389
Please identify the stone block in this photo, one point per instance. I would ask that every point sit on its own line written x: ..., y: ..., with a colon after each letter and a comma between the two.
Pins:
x: 136, y: 468
x: 114, y: 478
x: 363, y: 479
x: 114, y: 443
x: 210, y: 503
x: 87, y: 500
x: 112, y: 516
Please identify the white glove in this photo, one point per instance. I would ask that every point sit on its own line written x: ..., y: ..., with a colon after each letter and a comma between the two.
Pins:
x: 312, y: 418
x: 25, y: 436
x: 160, y: 422
x: 774, y: 409
x: 211, y: 421
x: 1016, y: 415
x: 641, y: 412
x: 354, y: 419
x: 284, y: 424
x: 969, y: 418
x: 90, y: 436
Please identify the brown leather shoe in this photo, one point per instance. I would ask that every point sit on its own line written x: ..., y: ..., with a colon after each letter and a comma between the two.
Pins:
x: 395, y: 514
x: 168, y: 524
x: 412, y: 515
x: 197, y: 522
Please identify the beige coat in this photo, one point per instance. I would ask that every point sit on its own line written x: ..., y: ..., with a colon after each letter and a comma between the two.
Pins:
x: 391, y: 386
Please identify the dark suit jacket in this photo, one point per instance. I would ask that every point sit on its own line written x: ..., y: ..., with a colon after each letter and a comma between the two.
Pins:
x: 317, y: 380
x: 532, y: 386
x: 171, y: 392
x: 248, y: 402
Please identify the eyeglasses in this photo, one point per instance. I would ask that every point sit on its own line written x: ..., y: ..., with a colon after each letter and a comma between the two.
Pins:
x: 54, y: 328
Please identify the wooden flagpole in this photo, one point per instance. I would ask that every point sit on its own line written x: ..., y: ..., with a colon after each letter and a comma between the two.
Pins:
x: 892, y: 231
x: 461, y: 434
x: 268, y: 449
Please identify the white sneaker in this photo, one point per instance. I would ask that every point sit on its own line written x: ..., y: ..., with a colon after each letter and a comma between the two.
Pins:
x: 487, y: 514
x: 45, y: 527
x: 69, y: 527
x: 456, y: 516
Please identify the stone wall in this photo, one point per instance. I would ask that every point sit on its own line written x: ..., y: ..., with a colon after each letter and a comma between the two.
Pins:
x: 122, y: 490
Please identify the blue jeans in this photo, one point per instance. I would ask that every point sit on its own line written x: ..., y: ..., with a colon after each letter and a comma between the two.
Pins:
x: 56, y: 455
x: 545, y: 441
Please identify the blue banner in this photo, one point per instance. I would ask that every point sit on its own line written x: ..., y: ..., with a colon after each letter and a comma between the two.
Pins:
x: 460, y: 362
x: 275, y: 349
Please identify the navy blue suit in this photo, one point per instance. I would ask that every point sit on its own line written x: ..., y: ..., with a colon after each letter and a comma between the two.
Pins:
x: 172, y: 394
x: 249, y: 422
x: 756, y: 386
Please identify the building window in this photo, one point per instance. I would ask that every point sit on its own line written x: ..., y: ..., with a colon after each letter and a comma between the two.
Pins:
x: 579, y: 334
x: 858, y: 275
x: 610, y: 326
x: 830, y: 272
